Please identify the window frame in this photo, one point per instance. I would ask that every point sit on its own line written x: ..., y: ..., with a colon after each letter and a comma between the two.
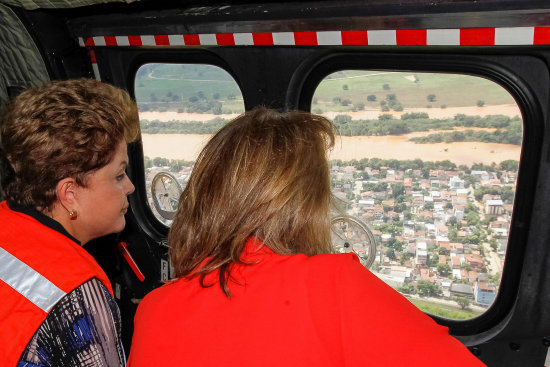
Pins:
x: 134, y: 59
x: 133, y: 92
x: 490, y: 67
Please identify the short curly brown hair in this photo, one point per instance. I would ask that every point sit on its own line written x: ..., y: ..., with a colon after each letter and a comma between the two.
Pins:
x: 61, y: 129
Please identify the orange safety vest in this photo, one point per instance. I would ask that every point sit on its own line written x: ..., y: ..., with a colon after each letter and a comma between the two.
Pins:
x: 38, y: 267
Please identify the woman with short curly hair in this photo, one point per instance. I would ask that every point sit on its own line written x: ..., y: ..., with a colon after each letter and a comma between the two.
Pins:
x: 63, y: 156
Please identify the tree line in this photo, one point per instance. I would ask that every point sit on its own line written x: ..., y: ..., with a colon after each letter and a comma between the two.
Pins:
x: 513, y: 135
x: 419, y: 164
x: 176, y: 127
x: 374, y: 163
x: 509, y: 130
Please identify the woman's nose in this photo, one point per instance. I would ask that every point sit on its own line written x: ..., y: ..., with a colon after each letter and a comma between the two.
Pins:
x: 129, y: 186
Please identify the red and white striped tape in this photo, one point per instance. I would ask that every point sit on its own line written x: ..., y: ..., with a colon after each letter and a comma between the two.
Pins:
x: 418, y: 37
x: 421, y: 37
x: 93, y: 60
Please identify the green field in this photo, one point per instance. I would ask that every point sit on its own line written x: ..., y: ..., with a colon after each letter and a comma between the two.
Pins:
x: 411, y: 89
x: 163, y: 87
x: 445, y: 311
x: 185, y: 81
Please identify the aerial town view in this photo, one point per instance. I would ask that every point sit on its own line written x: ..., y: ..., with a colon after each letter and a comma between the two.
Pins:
x: 427, y: 162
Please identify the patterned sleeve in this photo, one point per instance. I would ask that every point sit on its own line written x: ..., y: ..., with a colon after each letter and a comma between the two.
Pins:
x: 83, y: 330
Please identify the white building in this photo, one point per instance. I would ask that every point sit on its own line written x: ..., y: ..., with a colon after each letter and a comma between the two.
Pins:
x: 456, y: 183
x: 366, y: 202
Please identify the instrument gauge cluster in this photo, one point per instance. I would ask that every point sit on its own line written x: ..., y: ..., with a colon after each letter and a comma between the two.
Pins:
x: 350, y: 234
x: 166, y: 191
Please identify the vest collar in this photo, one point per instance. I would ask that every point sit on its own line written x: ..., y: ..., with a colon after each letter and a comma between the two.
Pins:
x: 43, y: 219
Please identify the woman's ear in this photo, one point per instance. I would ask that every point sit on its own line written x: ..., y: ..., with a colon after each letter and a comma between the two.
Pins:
x: 66, y: 193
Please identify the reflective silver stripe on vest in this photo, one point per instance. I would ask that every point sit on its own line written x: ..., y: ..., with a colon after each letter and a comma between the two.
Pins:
x: 28, y: 282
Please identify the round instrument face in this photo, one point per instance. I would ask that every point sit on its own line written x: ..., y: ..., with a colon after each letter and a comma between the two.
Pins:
x: 350, y: 234
x: 166, y: 191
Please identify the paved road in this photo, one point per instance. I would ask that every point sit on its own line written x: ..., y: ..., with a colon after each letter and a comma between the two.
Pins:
x: 446, y: 302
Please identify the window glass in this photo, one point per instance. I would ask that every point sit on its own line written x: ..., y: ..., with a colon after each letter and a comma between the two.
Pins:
x: 180, y: 107
x: 429, y: 163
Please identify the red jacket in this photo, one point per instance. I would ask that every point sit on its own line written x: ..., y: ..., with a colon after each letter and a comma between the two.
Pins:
x: 38, y: 266
x: 290, y: 310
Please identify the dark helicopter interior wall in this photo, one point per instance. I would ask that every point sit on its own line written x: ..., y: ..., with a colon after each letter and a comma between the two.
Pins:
x: 21, y: 64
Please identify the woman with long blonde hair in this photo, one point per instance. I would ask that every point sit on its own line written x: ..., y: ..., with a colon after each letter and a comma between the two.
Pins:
x: 257, y: 283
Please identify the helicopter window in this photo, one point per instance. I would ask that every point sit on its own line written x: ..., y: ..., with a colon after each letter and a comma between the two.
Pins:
x: 180, y: 106
x: 427, y: 162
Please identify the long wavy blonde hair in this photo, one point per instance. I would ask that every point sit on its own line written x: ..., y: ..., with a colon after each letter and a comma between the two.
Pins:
x: 264, y: 174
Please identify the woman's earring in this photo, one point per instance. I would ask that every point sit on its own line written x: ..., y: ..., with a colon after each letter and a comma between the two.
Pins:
x: 73, y: 214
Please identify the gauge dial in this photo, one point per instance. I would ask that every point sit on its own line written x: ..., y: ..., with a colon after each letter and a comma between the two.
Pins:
x: 350, y: 234
x: 166, y: 191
